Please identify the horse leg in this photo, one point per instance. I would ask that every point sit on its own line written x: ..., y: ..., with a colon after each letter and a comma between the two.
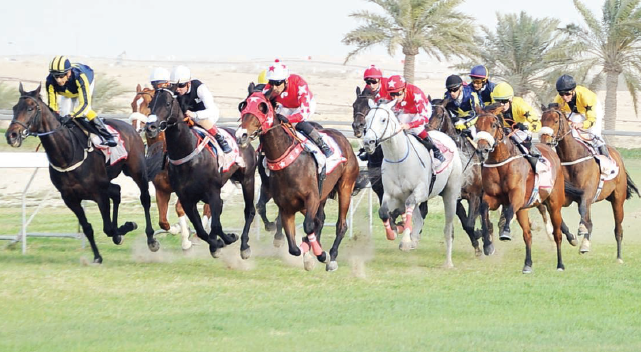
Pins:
x: 549, y: 229
x: 261, y: 207
x: 617, y: 209
x: 162, y: 200
x: 319, y: 223
x: 344, y: 198
x: 216, y: 204
x: 385, y: 216
x: 289, y: 226
x: 508, y: 214
x: 554, y: 206
x: 449, y: 203
x: 206, y: 219
x: 311, y: 209
x: 145, y: 200
x: 410, y: 237
x: 467, y: 221
x: 215, y: 243
x: 76, y: 207
x: 185, y: 243
x: 250, y: 212
x: 278, y: 236
x: 487, y: 228
x: 524, y: 221
x: 585, y: 226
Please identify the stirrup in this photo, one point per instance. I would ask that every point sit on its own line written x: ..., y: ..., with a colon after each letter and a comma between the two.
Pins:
x: 438, y: 155
x: 326, y: 150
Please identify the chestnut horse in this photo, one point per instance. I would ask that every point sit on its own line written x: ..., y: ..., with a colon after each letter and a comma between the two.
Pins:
x: 295, y: 187
x: 78, y: 170
x: 157, y: 167
x: 508, y: 180
x: 581, y: 169
x: 195, y: 176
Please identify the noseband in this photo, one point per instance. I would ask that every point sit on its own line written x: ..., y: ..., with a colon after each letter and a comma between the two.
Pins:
x: 557, y: 137
x: 167, y: 124
x: 34, y: 121
x: 378, y: 140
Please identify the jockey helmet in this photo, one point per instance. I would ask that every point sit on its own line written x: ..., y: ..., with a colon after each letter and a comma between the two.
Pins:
x: 479, y: 71
x: 277, y: 71
x: 59, y: 64
x: 159, y: 75
x: 395, y: 84
x: 180, y: 74
x: 453, y: 81
x: 373, y: 72
x: 502, y: 91
x: 565, y: 83
x: 262, y: 77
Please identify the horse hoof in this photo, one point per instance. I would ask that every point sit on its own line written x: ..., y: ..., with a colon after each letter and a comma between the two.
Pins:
x: 585, y: 246
x: 405, y: 246
x: 561, y: 268
x: 216, y: 254
x: 390, y: 234
x: 332, y: 266
x: 186, y: 245
x: 477, y: 251
x: 574, y: 242
x: 232, y: 238
x: 619, y: 260
x: 133, y: 225
x: 448, y: 265
x: 489, y: 249
x: 505, y: 236
x: 309, y: 261
x: 279, y: 241
x: 97, y: 260
x: 245, y: 254
x: 326, y: 259
x: 154, y: 246
x: 117, y: 239
x: 527, y: 269
x: 270, y: 226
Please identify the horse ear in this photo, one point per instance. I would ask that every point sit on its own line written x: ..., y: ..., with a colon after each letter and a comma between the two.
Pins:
x: 371, y: 103
x: 543, y: 108
x: 37, y: 91
x: 251, y: 88
x: 21, y: 89
x: 358, y: 92
x: 138, y: 88
x: 390, y: 104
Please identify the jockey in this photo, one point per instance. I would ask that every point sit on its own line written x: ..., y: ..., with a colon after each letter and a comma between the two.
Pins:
x: 295, y: 102
x: 159, y: 78
x: 583, y: 110
x: 413, y: 110
x: 481, y: 84
x: 197, y: 102
x: 462, y: 105
x: 73, y: 85
x: 525, y: 120
x: 376, y: 83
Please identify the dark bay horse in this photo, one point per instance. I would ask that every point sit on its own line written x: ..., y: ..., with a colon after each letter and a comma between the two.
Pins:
x: 195, y: 176
x: 472, y: 190
x: 295, y: 187
x: 157, y: 166
x: 581, y: 169
x: 508, y: 180
x: 78, y: 171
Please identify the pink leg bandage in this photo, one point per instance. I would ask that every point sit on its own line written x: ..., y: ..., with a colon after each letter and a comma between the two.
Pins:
x: 408, y: 218
x: 391, y: 235
x: 316, y: 247
x: 304, y: 247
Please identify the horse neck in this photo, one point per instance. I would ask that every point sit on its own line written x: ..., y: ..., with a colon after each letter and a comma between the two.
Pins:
x: 568, y: 148
x: 275, y: 142
x: 61, y: 146
x: 180, y: 140
x: 503, y: 150
x: 396, y: 147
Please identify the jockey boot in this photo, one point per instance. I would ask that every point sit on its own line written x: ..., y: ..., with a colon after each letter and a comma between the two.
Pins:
x: 100, y: 127
x: 603, y: 150
x: 222, y: 143
x: 320, y: 143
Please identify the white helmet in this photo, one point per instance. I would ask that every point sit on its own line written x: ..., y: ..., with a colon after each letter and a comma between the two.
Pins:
x: 180, y: 74
x: 159, y: 74
x: 277, y: 71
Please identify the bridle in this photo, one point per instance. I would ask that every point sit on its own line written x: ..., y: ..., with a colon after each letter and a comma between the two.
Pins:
x: 163, y: 125
x: 557, y: 137
x: 378, y: 140
x: 34, y: 122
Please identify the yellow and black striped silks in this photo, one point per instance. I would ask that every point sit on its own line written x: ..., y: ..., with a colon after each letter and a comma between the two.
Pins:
x: 78, y: 86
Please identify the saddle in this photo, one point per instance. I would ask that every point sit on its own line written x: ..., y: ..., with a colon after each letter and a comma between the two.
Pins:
x: 94, y: 141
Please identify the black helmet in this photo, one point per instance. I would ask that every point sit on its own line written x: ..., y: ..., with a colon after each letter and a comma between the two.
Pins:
x: 453, y: 81
x: 565, y: 83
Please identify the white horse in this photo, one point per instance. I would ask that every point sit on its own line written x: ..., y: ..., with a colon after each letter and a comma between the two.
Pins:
x: 407, y: 173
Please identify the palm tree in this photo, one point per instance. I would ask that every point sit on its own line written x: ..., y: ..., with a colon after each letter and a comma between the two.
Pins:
x: 526, y: 52
x: 432, y: 25
x: 612, y: 44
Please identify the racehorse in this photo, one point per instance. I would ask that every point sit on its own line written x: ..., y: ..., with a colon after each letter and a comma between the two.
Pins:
x: 294, y: 181
x: 195, y: 176
x: 407, y: 172
x: 78, y: 170
x: 508, y: 180
x: 581, y: 168
x: 157, y: 167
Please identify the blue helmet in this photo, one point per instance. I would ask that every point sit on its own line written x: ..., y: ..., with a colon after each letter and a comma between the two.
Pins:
x: 479, y: 71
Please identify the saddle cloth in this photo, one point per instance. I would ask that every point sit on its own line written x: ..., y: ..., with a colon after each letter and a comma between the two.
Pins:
x: 445, y: 151
x: 609, y: 167
x: 112, y: 154
x: 226, y: 161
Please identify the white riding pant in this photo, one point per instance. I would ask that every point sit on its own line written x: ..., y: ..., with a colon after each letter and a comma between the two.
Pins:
x: 67, y: 105
x: 594, y: 132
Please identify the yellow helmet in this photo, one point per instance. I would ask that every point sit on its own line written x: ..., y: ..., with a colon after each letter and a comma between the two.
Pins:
x: 262, y: 77
x: 59, y: 64
x: 502, y: 91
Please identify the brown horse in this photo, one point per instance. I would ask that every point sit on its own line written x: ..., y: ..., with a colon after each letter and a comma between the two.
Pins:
x: 508, y: 180
x: 157, y: 167
x: 78, y: 170
x: 295, y: 187
x: 581, y: 168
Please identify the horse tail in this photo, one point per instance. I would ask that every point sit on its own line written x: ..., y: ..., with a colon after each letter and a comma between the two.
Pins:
x: 362, y: 181
x: 631, y: 187
x: 154, y: 160
x: 572, y: 190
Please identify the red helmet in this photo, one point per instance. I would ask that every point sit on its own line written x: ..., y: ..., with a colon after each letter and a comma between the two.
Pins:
x: 395, y: 84
x: 373, y: 72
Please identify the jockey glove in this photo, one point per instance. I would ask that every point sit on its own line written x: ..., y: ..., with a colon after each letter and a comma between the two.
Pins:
x: 521, y: 126
x: 362, y: 154
x: 282, y: 118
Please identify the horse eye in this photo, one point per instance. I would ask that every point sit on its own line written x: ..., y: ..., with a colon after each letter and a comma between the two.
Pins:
x: 30, y: 109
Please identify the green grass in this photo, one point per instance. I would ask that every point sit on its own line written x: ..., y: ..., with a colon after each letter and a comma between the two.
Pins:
x: 380, y: 299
